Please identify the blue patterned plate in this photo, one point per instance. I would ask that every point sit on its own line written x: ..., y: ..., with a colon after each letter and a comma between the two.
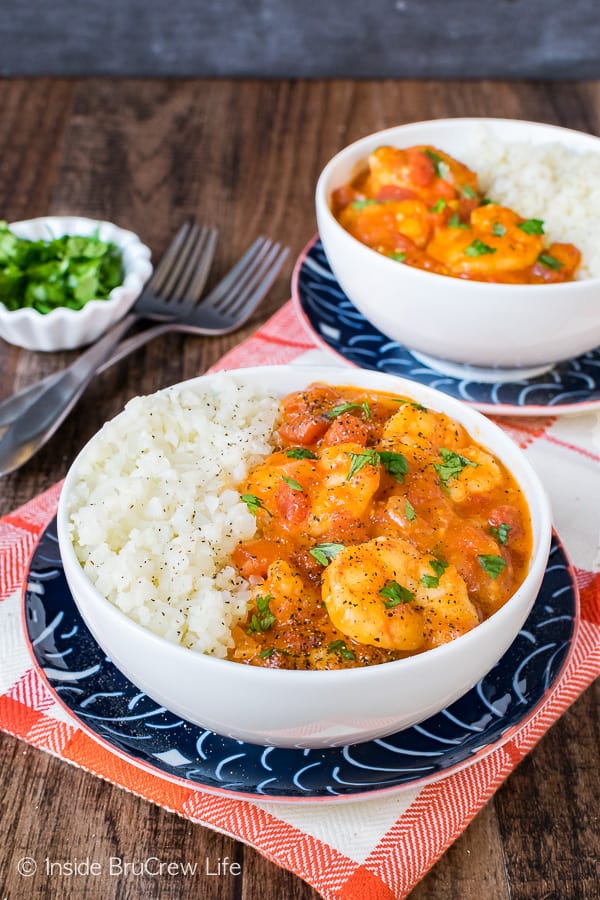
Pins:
x: 328, y: 314
x: 119, y: 715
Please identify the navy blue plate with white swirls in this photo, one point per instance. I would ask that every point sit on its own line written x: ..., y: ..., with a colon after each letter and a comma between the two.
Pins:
x: 118, y: 714
x: 570, y: 387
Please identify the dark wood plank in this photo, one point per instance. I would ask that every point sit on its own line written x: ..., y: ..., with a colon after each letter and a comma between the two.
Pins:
x: 245, y: 156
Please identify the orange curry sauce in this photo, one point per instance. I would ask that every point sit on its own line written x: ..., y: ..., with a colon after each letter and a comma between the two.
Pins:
x: 383, y: 529
x: 423, y: 208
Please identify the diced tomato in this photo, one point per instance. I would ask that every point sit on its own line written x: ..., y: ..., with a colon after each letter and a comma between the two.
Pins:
x: 394, y: 192
x: 466, y: 206
x: 305, y: 415
x: 507, y: 515
x: 346, y: 429
x: 292, y: 505
x: 421, y: 167
x: 342, y: 196
x: 255, y: 557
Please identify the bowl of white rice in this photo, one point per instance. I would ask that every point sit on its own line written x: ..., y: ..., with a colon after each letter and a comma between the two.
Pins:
x: 149, y: 516
x: 504, y: 331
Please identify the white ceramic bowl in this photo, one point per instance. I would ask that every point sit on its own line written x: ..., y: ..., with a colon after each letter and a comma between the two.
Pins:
x: 63, y: 328
x: 316, y: 708
x: 527, y: 327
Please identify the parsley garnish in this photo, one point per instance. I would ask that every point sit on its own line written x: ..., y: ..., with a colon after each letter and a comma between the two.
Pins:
x: 498, y: 229
x: 346, y: 407
x: 532, y: 226
x: 455, y: 222
x: 295, y: 485
x: 551, y: 262
x: 486, y: 201
x: 435, y: 159
x: 324, y: 552
x: 409, y: 510
x: 265, y: 654
x: 452, y: 465
x: 397, y: 594
x: 360, y: 204
x: 394, y: 464
x: 439, y: 206
x: 439, y: 567
x: 254, y: 504
x: 412, y: 403
x: 491, y: 564
x: 300, y: 453
x: 340, y: 647
x: 262, y: 620
x: 478, y: 248
x: 501, y: 531
x: 399, y: 257
x: 467, y: 191
x: 359, y: 460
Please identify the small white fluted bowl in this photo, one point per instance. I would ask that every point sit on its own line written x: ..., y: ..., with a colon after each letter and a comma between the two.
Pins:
x: 64, y: 328
x: 316, y: 708
x: 521, y: 329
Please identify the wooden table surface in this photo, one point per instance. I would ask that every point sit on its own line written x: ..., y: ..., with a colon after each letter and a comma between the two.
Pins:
x: 244, y: 156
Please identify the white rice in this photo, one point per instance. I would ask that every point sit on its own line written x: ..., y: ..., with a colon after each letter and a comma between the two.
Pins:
x: 544, y: 181
x: 155, y: 514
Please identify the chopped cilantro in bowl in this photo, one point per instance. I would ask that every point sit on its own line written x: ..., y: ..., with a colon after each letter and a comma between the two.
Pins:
x: 65, y: 280
x: 66, y: 271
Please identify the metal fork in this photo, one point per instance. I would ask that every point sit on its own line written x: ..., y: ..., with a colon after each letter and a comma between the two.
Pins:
x: 225, y: 309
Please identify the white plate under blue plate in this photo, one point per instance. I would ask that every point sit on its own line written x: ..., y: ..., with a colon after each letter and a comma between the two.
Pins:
x: 570, y: 387
x: 119, y: 715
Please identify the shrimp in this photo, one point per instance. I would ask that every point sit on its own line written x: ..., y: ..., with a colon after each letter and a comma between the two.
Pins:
x: 477, y: 472
x: 424, y: 601
x: 381, y: 224
x: 337, y: 496
x: 428, y: 172
x: 418, y: 432
x: 492, y: 245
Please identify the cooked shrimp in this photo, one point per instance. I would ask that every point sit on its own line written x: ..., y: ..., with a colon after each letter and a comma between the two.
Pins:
x: 492, y: 245
x: 427, y: 171
x: 338, y: 494
x: 416, y: 431
x: 381, y: 224
x: 477, y: 472
x: 421, y: 605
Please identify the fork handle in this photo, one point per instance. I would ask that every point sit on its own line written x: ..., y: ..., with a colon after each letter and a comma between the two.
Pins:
x: 17, y: 403
x: 25, y: 435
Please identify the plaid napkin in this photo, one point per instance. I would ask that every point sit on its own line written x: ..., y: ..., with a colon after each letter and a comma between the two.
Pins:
x: 373, y: 848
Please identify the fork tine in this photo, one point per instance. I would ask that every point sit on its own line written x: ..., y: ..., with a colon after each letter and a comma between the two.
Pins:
x: 179, y: 265
x: 222, y: 289
x: 192, y: 280
x: 257, y: 284
x: 170, y: 255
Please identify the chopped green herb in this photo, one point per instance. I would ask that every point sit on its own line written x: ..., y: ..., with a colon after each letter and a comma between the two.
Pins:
x: 399, y: 257
x: 340, y: 647
x: 300, y: 453
x: 455, y: 221
x: 412, y: 403
x: 359, y: 460
x: 68, y: 271
x: 478, y: 248
x: 360, y: 204
x: 254, y: 504
x: 491, y: 564
x: 346, y: 407
x: 551, y: 262
x: 435, y: 159
x: 498, y: 229
x: 501, y: 531
x: 409, y: 510
x: 263, y: 619
x: 439, y: 206
x: 396, y: 593
x: 394, y: 464
x: 467, y: 191
x: 325, y: 552
x: 532, y: 226
x: 295, y: 485
x: 439, y: 567
x: 266, y: 654
x: 486, y: 201
x: 452, y: 465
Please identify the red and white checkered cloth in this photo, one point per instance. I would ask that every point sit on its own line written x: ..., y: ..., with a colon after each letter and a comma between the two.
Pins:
x: 373, y: 848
